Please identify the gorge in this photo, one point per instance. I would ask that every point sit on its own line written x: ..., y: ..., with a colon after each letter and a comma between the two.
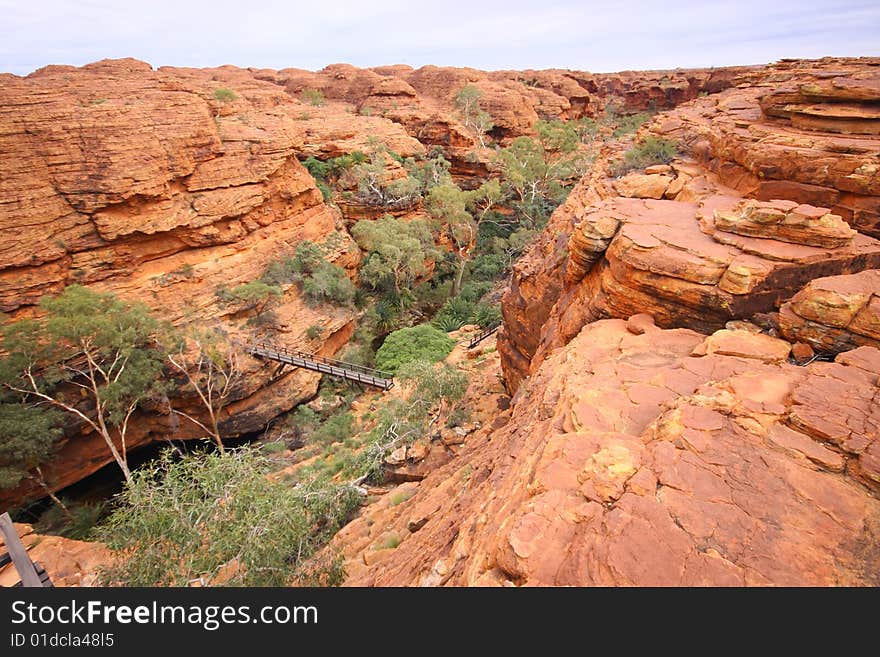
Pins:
x: 684, y: 388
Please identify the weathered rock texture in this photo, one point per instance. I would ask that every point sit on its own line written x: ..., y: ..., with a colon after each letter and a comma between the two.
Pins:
x: 142, y: 182
x: 640, y: 456
x: 68, y: 562
x: 423, y: 100
x: 835, y: 314
x: 166, y: 185
x: 800, y: 131
x: 754, y: 209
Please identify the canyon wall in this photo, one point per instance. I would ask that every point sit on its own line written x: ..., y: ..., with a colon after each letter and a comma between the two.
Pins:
x: 757, y: 205
x: 167, y: 185
x: 662, y: 431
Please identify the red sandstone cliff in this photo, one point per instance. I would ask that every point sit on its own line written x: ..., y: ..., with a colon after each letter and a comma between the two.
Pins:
x: 165, y: 185
x: 679, y: 242
x: 695, y: 453
x: 678, y: 444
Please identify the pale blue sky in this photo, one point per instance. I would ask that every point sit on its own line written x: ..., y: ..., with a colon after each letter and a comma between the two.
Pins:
x: 595, y: 36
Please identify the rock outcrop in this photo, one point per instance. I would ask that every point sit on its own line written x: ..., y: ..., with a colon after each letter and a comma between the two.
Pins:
x: 161, y: 186
x: 835, y: 313
x: 641, y: 456
x: 754, y: 209
x: 799, y: 131
x: 68, y: 562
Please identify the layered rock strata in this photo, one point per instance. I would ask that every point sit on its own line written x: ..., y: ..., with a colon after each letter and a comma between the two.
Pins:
x: 641, y: 456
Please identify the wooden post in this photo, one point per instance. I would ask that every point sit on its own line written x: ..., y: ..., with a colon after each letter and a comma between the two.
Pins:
x: 17, y: 551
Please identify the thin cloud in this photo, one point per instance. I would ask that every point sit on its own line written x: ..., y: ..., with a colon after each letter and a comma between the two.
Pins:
x: 598, y: 36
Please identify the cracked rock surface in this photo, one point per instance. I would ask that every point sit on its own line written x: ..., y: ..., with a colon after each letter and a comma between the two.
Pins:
x: 642, y: 456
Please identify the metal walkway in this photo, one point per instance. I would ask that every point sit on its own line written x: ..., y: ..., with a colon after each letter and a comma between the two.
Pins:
x: 338, y: 368
x: 482, y: 336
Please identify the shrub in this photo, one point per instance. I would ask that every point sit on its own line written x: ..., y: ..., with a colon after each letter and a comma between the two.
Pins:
x: 275, y: 447
x: 650, y: 150
x: 312, y: 96
x: 335, y: 429
x: 486, y: 315
x: 314, y: 332
x: 325, y: 190
x: 629, y: 124
x: 255, y: 294
x: 422, y: 343
x: 320, y: 280
x: 77, y: 522
x: 183, y: 518
x: 454, y: 314
x: 224, y: 95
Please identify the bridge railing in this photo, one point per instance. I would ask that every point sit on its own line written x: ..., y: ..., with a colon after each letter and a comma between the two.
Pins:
x: 483, y: 335
x: 332, y: 362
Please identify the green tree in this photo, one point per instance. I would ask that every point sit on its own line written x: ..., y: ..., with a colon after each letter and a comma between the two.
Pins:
x: 27, y: 434
x: 255, y: 295
x: 92, y: 356
x: 198, y: 517
x: 397, y: 252
x: 430, y: 392
x: 209, y: 364
x: 438, y: 386
x: 537, y: 172
x: 448, y: 204
x: 467, y: 101
x: 422, y: 342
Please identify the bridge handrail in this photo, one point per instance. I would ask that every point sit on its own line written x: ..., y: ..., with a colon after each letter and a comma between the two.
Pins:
x: 483, y: 335
x: 296, y: 353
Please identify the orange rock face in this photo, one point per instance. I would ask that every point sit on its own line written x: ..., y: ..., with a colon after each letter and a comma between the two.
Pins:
x: 68, y: 562
x: 634, y: 460
x: 800, y: 131
x: 755, y: 209
x: 161, y: 186
x: 836, y: 313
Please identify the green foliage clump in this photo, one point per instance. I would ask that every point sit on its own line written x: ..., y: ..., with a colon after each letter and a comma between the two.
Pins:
x: 397, y: 252
x: 76, y: 521
x: 274, y: 447
x: 422, y: 342
x: 182, y: 519
x: 454, y: 314
x: 119, y: 340
x: 27, y: 434
x: 460, y: 310
x: 320, y: 281
x: 337, y: 428
x: 312, y: 97
x: 224, y: 95
x: 651, y: 150
x: 254, y: 295
x: 486, y: 315
x: 314, y: 332
x: 629, y: 124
